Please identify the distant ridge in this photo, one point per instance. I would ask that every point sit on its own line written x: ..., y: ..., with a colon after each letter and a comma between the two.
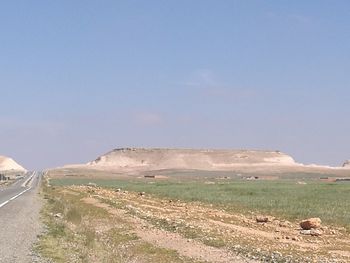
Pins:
x: 201, y: 159
x: 8, y: 164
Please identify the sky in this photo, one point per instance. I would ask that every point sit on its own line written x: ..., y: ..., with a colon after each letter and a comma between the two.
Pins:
x: 80, y: 78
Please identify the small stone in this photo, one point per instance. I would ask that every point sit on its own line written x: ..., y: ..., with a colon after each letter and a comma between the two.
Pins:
x: 315, y: 232
x: 58, y: 215
x: 305, y: 232
x: 284, y: 224
x: 310, y: 223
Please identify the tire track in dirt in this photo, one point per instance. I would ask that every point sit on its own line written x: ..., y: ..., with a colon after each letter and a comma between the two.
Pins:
x: 168, y: 240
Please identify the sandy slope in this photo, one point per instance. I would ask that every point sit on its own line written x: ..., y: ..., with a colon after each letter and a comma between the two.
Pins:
x: 7, y: 164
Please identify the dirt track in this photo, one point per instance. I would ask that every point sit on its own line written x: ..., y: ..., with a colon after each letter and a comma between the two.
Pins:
x: 169, y: 240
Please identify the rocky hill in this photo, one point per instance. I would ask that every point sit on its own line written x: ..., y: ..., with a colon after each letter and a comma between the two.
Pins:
x: 8, y: 164
x: 156, y: 159
x: 347, y: 164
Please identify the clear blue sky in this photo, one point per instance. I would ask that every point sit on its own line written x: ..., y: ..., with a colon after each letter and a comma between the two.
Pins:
x: 79, y: 78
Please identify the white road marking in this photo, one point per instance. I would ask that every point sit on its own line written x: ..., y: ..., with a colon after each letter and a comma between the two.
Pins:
x: 4, y: 203
x: 26, y: 181
x: 18, y: 195
x: 21, y: 193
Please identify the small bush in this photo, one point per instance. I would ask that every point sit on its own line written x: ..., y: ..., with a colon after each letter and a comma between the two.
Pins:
x: 74, y: 216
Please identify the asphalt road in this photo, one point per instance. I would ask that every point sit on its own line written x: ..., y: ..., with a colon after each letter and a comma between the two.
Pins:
x: 19, y: 219
x: 6, y: 193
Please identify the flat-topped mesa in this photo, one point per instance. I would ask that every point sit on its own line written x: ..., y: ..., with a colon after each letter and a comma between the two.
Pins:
x: 8, y: 164
x: 201, y: 159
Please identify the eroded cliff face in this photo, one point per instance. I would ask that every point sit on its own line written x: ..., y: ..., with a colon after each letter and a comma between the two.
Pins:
x: 8, y: 164
x: 155, y: 159
x: 347, y: 164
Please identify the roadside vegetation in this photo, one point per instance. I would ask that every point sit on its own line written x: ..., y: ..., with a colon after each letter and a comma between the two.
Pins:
x: 81, y: 232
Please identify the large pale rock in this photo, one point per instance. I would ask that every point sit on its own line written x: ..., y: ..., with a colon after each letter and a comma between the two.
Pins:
x: 310, y: 223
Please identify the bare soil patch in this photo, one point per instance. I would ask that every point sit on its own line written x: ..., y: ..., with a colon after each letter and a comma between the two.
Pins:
x: 170, y: 240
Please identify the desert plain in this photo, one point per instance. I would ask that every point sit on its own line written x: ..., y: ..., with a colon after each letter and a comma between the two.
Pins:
x: 195, y: 205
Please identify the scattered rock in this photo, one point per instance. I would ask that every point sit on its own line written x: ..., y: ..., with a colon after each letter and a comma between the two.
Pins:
x: 333, y: 232
x: 58, y: 215
x: 305, y: 232
x: 262, y: 219
x: 284, y: 224
x: 142, y: 194
x: 117, y: 190
x: 310, y: 223
x: 301, y: 182
x: 92, y: 184
x: 312, y: 232
x: 91, y: 192
x: 315, y: 232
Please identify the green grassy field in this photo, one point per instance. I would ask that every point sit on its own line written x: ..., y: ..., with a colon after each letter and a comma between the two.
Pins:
x: 282, y: 198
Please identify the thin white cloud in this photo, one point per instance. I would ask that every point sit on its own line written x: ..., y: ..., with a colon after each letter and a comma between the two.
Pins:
x: 301, y: 19
x: 293, y: 18
x: 201, y: 78
x: 27, y: 126
x: 147, y: 118
x: 204, y: 83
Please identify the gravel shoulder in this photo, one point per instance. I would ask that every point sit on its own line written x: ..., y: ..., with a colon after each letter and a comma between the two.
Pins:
x: 20, y: 226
